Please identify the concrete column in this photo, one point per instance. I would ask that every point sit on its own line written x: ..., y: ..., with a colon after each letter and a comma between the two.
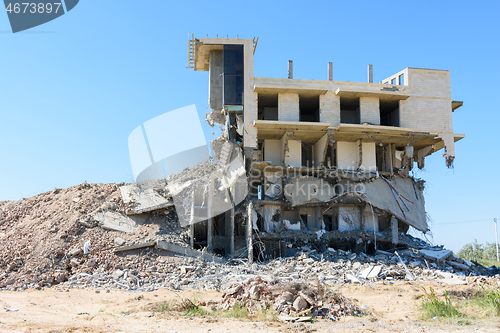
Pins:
x: 394, y: 229
x: 210, y: 225
x: 231, y: 232
x: 370, y: 73
x: 369, y: 110
x: 290, y: 69
x: 330, y: 71
x: 250, y: 233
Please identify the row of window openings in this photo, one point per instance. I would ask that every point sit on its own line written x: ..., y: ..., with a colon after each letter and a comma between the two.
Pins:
x: 330, y: 223
x: 397, y: 80
x: 309, y: 109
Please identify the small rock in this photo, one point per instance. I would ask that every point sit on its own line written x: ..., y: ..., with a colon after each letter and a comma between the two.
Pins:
x: 117, y: 274
x: 186, y: 269
x: 300, y: 304
x: 75, y: 262
x: 75, y: 252
x: 9, y: 282
x: 119, y: 241
x: 91, y: 262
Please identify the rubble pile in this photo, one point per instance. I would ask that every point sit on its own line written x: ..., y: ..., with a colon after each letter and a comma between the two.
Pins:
x: 42, y: 238
x: 295, y: 301
x: 65, y: 238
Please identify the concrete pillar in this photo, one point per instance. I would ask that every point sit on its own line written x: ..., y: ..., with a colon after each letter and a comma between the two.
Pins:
x: 231, y: 232
x: 210, y: 226
x: 394, y: 229
x: 369, y: 110
x: 330, y: 71
x: 370, y: 73
x: 290, y: 69
x: 250, y: 233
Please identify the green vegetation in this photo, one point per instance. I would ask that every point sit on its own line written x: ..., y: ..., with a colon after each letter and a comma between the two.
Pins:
x: 189, y: 308
x: 432, y: 306
x: 486, y: 255
x: 489, y: 301
x: 456, y: 304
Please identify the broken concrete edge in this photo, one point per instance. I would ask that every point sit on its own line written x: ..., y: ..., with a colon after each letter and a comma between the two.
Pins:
x: 163, y: 245
x: 135, y: 211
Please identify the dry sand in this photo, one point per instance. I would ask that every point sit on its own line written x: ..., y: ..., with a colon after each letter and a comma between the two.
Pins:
x: 117, y: 311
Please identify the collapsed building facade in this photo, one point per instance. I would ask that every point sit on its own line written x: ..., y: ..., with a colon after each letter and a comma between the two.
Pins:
x: 301, y: 162
x: 322, y: 156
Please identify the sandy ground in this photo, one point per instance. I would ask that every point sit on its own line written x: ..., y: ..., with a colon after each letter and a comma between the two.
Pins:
x: 391, y: 305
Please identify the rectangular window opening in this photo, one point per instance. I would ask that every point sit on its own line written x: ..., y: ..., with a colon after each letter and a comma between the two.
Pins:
x: 331, y: 224
x: 401, y: 80
x: 349, y: 110
x: 233, y: 74
x: 309, y: 108
x: 389, y: 113
x: 267, y: 105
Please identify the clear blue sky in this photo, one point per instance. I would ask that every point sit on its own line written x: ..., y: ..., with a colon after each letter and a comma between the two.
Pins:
x: 73, y: 89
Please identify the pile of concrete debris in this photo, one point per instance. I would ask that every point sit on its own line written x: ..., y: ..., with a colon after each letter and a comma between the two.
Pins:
x: 82, y: 237
x: 290, y: 301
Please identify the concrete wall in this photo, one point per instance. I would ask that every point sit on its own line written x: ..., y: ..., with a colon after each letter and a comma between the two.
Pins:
x: 215, y: 81
x: 429, y: 107
x: 293, y: 156
x: 272, y: 151
x: 347, y: 155
x: 369, y: 110
x: 369, y: 157
x: 250, y: 112
x: 288, y: 105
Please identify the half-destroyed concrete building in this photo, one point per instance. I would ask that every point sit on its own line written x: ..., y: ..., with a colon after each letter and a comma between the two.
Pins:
x: 327, y: 162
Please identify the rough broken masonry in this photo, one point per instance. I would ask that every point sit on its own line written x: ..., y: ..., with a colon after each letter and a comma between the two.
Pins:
x: 319, y: 193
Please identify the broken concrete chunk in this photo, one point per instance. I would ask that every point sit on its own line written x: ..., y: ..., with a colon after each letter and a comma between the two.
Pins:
x: 436, y: 254
x: 119, y: 241
x: 307, y: 298
x: 370, y: 272
x: 187, y: 251
x: 458, y: 265
x: 117, y: 274
x: 352, y: 278
x: 146, y: 196
x: 300, y: 304
x: 187, y: 269
x: 115, y: 221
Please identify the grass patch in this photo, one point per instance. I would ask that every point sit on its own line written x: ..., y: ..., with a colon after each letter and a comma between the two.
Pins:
x: 489, y: 302
x: 432, y: 306
x: 188, y: 308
